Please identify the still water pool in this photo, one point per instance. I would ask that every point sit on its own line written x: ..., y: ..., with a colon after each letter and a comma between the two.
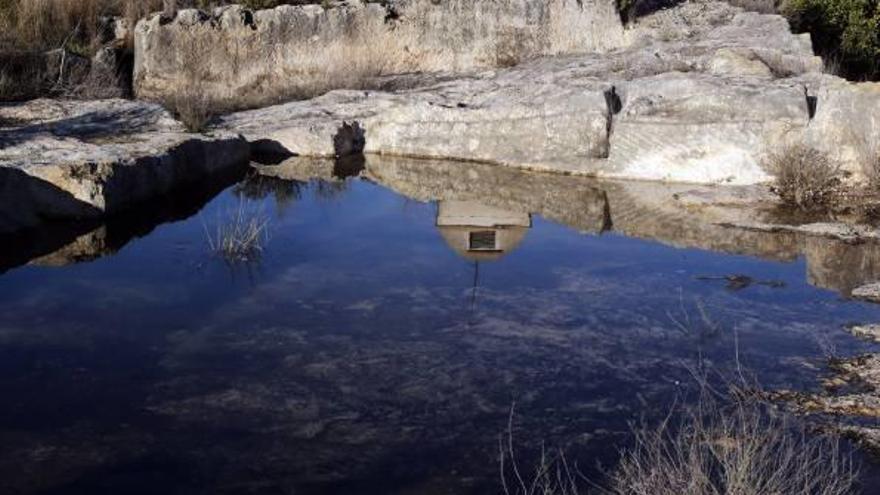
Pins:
x: 378, y: 344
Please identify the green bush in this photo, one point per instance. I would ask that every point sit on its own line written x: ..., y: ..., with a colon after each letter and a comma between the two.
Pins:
x: 847, y: 31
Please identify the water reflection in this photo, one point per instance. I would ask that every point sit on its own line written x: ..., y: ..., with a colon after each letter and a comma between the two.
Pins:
x: 64, y: 243
x: 638, y: 210
x: 635, y: 209
x: 387, y: 334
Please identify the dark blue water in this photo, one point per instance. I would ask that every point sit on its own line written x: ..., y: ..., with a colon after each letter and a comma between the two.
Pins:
x: 363, y: 354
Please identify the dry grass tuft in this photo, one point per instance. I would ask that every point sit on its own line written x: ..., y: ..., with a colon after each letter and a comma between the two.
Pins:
x: 742, y: 449
x: 869, y: 151
x: 192, y: 108
x: 806, y: 178
x: 241, y: 237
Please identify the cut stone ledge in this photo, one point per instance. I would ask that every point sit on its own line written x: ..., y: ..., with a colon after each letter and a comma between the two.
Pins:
x: 69, y: 160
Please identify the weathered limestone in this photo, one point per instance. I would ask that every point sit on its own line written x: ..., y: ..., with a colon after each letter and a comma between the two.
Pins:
x: 702, y: 128
x: 65, y: 159
x: 522, y: 117
x: 846, y: 124
x: 869, y: 332
x: 701, y: 95
x: 303, y: 50
x: 555, y: 115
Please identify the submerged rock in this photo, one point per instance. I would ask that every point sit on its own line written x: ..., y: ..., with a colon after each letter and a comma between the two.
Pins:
x: 868, y: 292
x: 867, y: 332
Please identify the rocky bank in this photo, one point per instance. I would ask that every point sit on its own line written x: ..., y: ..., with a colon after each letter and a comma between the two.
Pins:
x: 698, y: 93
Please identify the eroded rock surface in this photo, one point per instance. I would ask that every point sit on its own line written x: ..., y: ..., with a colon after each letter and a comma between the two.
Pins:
x: 302, y: 50
x: 698, y: 93
x: 66, y: 159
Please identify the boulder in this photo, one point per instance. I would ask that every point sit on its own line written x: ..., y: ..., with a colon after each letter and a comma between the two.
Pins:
x: 689, y: 127
x: 555, y: 115
x: 697, y: 93
x: 868, y: 292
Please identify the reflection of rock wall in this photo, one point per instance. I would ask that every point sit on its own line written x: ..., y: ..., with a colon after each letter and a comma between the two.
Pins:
x: 572, y: 201
x: 839, y: 265
x: 87, y: 247
x: 651, y: 211
x: 65, y: 243
x: 677, y: 215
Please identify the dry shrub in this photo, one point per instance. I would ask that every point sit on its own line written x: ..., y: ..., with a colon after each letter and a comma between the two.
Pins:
x: 192, y: 108
x: 744, y: 447
x: 740, y: 449
x: 806, y: 178
x: 872, y: 169
x: 191, y: 105
x: 869, y: 151
x: 43, y: 24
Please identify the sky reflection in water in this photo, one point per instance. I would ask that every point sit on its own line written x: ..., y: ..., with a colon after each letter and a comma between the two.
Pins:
x: 369, y: 351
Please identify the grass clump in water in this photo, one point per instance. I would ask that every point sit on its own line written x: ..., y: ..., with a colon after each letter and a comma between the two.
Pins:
x: 240, y: 237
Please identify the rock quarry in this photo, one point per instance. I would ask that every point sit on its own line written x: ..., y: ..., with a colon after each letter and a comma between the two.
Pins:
x: 697, y: 93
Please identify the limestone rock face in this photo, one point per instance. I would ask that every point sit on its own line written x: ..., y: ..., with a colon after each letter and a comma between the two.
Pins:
x: 697, y: 93
x: 555, y: 115
x: 702, y: 128
x: 525, y: 116
x: 68, y: 159
x: 868, y: 292
x: 290, y: 51
x: 846, y: 124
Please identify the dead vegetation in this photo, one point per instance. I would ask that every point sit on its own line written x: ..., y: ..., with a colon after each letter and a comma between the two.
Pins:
x: 805, y: 178
x: 717, y: 447
x: 192, y: 109
x: 869, y: 154
x: 743, y: 448
x: 191, y: 106
x: 722, y: 436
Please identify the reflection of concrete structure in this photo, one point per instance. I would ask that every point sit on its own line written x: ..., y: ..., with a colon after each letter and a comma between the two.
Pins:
x: 479, y: 232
